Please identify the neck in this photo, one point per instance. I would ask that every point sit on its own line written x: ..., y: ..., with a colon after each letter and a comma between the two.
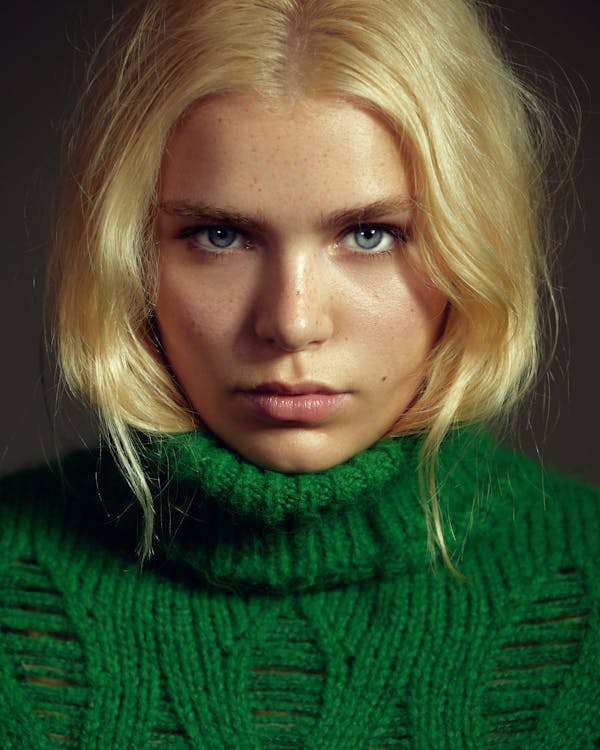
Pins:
x: 240, y: 526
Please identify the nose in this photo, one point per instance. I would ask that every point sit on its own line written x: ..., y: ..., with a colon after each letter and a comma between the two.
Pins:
x: 294, y: 305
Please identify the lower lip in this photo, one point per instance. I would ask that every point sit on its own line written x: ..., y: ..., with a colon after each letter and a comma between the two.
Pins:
x: 305, y: 407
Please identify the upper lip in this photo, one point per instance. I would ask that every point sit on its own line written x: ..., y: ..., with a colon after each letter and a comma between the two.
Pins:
x: 293, y: 389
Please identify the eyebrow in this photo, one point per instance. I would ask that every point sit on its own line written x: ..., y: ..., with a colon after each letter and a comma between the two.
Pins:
x: 205, y: 212
x: 371, y: 211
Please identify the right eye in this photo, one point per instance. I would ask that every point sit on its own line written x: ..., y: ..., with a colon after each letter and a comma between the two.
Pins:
x: 214, y: 238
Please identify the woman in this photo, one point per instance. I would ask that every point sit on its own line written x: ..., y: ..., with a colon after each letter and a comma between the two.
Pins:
x: 298, y: 264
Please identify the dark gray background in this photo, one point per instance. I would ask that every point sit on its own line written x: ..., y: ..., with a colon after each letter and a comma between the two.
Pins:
x: 44, y: 48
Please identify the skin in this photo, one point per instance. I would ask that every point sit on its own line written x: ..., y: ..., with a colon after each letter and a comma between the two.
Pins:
x: 294, y: 302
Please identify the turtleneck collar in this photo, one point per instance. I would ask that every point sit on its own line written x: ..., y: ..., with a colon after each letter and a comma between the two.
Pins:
x: 239, y: 526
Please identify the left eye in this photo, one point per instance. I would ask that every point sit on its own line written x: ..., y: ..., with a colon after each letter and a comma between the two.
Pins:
x: 221, y: 236
x: 374, y: 238
x: 212, y: 239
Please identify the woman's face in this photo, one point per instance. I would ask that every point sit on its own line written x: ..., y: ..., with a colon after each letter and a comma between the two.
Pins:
x: 291, y: 306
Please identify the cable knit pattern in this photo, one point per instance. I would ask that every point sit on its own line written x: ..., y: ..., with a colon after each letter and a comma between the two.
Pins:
x: 299, y: 611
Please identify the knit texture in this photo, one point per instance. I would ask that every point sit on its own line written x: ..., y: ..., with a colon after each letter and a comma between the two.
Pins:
x: 300, y: 611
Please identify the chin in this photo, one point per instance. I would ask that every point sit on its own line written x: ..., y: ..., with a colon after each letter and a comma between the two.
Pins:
x: 304, y: 453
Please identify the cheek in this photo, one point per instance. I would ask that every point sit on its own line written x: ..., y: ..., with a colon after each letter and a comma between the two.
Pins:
x: 187, y: 325
x: 184, y: 305
x: 403, y: 316
x: 180, y: 316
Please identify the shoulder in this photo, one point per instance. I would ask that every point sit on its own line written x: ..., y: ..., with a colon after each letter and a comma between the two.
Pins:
x: 505, y: 483
x: 62, y: 504
x: 50, y: 485
x: 562, y: 509
x: 533, y: 543
x: 516, y: 516
x: 532, y: 568
x: 56, y: 476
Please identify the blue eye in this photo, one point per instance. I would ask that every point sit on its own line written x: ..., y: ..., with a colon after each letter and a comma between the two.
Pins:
x: 369, y: 238
x: 221, y: 237
x: 374, y: 239
x: 214, y: 238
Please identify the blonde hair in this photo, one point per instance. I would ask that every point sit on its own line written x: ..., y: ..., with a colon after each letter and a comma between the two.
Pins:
x: 471, y: 131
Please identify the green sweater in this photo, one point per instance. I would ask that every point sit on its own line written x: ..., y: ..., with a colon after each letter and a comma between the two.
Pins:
x: 300, y: 611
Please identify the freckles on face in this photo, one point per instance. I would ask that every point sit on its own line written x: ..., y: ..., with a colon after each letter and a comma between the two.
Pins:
x: 291, y: 305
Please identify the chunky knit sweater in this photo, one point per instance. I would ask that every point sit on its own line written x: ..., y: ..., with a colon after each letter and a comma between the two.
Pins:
x: 300, y: 611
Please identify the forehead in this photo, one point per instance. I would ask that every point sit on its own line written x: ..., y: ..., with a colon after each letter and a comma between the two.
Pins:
x: 243, y: 149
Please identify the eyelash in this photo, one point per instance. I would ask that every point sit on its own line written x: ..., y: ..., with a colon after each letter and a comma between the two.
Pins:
x: 188, y: 233
x: 399, y: 236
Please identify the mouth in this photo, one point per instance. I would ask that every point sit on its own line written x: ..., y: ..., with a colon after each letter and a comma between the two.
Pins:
x: 307, y: 402
x: 309, y: 387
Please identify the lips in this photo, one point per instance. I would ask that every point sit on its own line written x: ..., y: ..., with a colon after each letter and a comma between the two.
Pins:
x: 307, y: 402
x: 294, y: 389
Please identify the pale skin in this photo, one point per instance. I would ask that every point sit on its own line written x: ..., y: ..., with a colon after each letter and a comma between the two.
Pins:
x: 291, y: 305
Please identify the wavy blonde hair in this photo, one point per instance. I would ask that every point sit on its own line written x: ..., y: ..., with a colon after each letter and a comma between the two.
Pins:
x: 471, y: 131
